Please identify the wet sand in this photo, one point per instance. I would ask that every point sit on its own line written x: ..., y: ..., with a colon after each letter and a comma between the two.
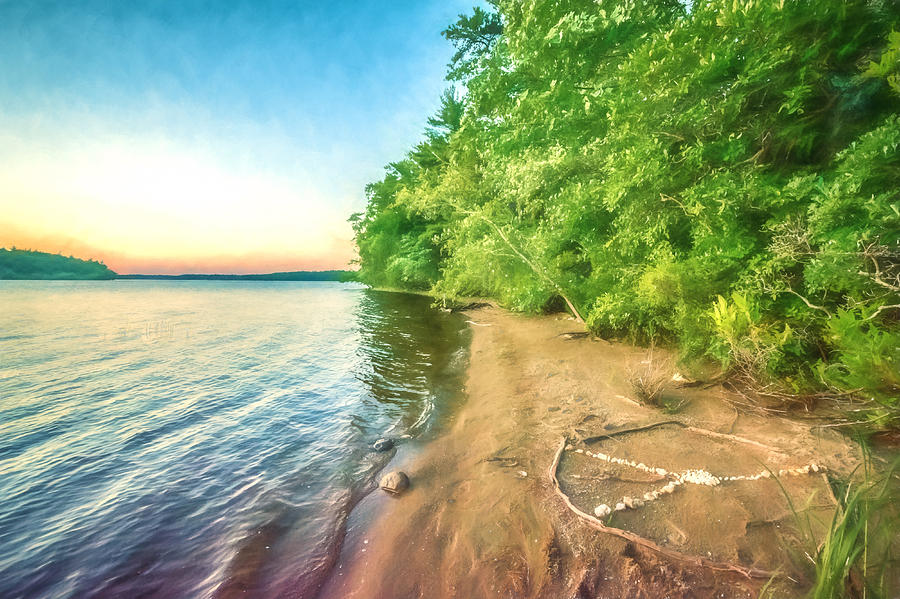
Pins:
x: 483, y: 519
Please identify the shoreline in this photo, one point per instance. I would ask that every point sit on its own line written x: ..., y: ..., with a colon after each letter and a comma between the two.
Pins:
x: 482, y: 517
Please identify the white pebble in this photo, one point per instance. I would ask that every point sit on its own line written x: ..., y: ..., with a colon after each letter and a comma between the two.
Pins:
x: 620, y: 506
x: 602, y: 510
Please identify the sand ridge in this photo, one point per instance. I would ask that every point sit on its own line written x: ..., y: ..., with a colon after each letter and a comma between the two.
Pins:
x: 482, y: 519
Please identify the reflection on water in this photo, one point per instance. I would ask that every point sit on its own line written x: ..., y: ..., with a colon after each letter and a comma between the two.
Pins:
x: 201, y: 439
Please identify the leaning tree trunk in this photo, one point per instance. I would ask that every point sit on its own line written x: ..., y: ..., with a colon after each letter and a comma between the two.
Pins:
x: 534, y: 267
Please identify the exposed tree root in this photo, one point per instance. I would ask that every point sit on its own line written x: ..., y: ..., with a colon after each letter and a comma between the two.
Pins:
x: 641, y: 541
x: 693, y: 429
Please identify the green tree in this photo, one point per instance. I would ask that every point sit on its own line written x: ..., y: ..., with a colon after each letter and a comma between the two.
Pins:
x: 723, y: 179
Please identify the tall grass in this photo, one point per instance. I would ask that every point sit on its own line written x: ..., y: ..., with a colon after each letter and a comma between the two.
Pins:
x: 853, y: 558
x: 854, y: 555
x: 651, y: 380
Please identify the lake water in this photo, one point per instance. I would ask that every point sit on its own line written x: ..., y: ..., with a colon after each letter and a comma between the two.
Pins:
x: 202, y: 439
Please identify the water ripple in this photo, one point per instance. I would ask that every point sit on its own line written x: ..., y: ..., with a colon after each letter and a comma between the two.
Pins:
x: 174, y: 439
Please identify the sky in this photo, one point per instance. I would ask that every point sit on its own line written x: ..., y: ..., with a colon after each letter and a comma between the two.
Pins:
x: 208, y: 136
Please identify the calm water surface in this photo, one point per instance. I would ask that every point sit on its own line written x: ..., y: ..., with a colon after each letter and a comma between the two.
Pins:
x: 202, y: 439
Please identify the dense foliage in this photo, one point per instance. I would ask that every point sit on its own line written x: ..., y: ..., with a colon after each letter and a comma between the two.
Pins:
x: 724, y: 178
x: 27, y: 264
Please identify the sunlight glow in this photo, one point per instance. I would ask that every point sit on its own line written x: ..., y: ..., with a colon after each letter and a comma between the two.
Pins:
x: 153, y: 199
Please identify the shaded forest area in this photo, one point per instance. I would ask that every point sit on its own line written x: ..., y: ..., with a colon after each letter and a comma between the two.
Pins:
x: 722, y: 179
x: 28, y: 264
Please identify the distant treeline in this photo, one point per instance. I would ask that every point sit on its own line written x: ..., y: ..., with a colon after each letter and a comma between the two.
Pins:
x: 300, y: 275
x: 28, y: 264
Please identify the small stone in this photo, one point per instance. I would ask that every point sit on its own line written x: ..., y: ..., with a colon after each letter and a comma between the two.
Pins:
x: 814, y: 467
x: 661, y: 472
x: 383, y: 445
x: 602, y: 510
x: 395, y: 482
x: 649, y: 496
x: 629, y: 502
x: 637, y: 502
x: 620, y: 506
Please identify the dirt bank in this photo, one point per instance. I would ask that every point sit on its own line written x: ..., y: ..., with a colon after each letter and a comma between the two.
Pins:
x: 483, y: 518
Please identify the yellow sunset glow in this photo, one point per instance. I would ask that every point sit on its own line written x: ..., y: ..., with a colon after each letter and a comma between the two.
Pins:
x: 155, y: 202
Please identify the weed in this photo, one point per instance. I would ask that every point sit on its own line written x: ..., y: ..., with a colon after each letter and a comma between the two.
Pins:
x: 650, y: 380
x: 852, y: 559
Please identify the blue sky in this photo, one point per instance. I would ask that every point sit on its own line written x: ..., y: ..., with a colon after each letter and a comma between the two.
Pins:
x: 208, y: 136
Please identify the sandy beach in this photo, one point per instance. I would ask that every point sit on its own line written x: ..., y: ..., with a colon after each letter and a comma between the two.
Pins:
x: 483, y: 518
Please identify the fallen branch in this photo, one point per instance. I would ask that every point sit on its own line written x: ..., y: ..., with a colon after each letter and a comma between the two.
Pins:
x: 478, y: 324
x: 693, y: 429
x: 644, y: 542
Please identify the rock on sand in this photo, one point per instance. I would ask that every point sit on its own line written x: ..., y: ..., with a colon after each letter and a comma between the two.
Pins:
x: 395, y: 482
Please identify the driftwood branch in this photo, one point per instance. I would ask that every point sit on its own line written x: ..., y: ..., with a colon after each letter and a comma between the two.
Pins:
x: 644, y: 542
x: 693, y: 429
